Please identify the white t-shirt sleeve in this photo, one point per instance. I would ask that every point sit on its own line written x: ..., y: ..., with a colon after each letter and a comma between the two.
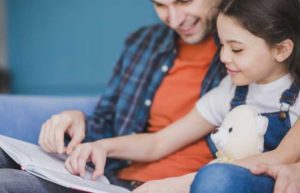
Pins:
x: 215, y: 105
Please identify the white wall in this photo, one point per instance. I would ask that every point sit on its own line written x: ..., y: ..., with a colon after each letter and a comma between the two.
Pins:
x: 3, y: 61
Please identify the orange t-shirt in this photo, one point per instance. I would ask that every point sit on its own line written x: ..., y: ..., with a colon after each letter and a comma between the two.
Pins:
x: 176, y: 96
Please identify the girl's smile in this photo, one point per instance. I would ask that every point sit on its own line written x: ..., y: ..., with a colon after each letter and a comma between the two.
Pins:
x: 232, y: 71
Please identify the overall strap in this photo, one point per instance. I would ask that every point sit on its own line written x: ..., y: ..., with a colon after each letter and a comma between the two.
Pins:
x: 288, y: 99
x: 240, y: 96
x: 290, y: 95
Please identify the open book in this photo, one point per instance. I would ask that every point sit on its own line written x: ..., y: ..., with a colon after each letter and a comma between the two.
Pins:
x: 51, y: 167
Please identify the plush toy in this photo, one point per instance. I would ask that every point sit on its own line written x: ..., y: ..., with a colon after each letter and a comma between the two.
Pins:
x: 240, y: 135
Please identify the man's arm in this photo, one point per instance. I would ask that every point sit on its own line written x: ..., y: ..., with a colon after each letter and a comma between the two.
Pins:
x: 77, y: 126
x: 287, y: 176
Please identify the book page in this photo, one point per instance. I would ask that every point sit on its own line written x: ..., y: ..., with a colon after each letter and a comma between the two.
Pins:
x: 28, y: 153
x: 51, y: 167
x: 12, y: 150
x: 34, y: 153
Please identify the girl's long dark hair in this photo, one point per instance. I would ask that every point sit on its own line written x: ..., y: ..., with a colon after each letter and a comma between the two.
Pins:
x: 272, y: 20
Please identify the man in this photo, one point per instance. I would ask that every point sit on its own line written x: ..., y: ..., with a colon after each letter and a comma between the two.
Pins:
x: 155, y: 82
x: 287, y: 176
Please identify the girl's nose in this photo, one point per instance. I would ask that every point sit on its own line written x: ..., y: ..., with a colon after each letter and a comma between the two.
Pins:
x: 225, y: 55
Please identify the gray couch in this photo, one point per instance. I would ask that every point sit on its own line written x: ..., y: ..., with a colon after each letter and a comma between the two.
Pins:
x: 21, y: 116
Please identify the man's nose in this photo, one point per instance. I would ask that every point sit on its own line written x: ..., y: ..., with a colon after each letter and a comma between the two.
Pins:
x: 176, y: 17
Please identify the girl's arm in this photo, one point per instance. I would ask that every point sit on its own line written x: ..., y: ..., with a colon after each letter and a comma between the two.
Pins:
x: 154, y: 146
x: 288, y: 151
x: 139, y: 147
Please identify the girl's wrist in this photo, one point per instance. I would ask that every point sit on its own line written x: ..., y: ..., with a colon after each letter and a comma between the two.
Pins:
x: 103, y: 146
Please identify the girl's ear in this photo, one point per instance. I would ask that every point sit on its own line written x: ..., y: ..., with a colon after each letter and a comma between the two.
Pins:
x: 283, y: 50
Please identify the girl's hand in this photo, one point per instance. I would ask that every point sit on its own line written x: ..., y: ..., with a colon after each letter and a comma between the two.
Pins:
x: 84, y: 153
x: 287, y: 177
x: 168, y: 185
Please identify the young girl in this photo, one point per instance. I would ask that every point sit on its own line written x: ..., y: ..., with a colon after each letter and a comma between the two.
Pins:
x: 260, y: 42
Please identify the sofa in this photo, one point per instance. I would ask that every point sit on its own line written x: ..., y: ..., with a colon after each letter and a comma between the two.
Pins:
x: 22, y: 116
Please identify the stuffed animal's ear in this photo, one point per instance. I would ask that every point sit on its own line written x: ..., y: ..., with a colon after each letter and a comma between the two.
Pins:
x: 216, y: 135
x: 262, y: 124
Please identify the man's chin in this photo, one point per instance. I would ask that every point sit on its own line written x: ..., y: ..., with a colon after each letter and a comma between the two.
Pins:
x: 192, y: 39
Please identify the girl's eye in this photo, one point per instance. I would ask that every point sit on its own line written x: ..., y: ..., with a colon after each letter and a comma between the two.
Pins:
x: 236, y: 50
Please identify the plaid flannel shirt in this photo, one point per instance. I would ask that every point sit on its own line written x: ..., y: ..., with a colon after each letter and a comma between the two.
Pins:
x: 125, y: 105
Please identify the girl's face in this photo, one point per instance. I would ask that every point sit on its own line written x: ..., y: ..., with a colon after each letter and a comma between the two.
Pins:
x: 248, y: 58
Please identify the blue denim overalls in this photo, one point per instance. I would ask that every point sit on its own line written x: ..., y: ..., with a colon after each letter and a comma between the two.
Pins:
x: 279, y: 122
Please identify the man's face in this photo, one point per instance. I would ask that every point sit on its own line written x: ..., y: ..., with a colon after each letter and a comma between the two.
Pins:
x: 191, y: 19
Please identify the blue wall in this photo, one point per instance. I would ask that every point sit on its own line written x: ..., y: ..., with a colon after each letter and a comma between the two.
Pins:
x: 69, y: 47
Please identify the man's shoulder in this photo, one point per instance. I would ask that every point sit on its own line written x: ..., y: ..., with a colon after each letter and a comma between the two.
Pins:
x: 150, y: 32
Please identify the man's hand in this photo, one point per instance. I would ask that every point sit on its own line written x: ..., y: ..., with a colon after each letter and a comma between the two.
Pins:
x: 169, y: 185
x: 51, y: 138
x: 84, y: 153
x: 287, y: 177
